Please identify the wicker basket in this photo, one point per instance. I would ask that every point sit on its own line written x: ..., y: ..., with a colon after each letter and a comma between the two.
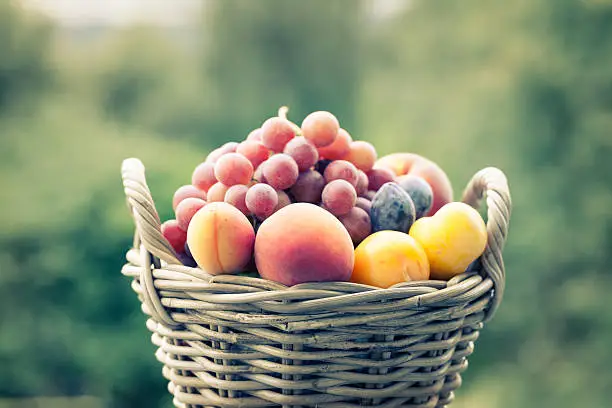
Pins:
x: 234, y: 341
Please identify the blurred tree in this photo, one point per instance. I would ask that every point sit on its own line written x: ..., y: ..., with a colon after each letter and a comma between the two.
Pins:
x: 303, y: 54
x: 144, y: 78
x: 25, y: 62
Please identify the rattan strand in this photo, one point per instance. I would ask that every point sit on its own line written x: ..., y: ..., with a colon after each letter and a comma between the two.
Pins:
x: 233, y: 341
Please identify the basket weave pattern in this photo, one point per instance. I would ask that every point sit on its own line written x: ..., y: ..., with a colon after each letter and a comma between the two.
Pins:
x: 234, y: 341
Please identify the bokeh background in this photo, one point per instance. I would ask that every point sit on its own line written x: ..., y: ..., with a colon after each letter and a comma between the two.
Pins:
x: 525, y: 85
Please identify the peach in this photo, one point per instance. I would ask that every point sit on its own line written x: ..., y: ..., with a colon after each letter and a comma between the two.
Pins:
x: 387, y: 258
x: 410, y: 163
x: 220, y: 238
x: 303, y: 243
x: 453, y: 238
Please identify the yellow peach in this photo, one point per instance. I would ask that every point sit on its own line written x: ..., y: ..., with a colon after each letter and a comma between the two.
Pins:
x: 453, y: 238
x: 386, y: 258
x: 220, y: 238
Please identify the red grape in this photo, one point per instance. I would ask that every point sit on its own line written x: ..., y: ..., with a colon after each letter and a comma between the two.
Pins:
x: 204, y: 176
x: 308, y: 187
x: 253, y: 150
x: 283, y: 200
x: 362, y: 183
x: 276, y: 132
x: 379, y: 176
x: 280, y: 171
x: 261, y: 200
x: 303, y: 152
x: 320, y: 128
x: 339, y: 197
x: 187, y: 191
x: 229, y: 147
x: 339, y: 148
x: 357, y: 223
x: 255, y: 135
x: 364, y: 204
x: 186, y: 210
x: 217, y: 193
x: 362, y: 155
x: 258, y: 174
x: 186, y: 259
x: 341, y: 170
x: 236, y: 196
x: 233, y: 168
x: 174, y: 235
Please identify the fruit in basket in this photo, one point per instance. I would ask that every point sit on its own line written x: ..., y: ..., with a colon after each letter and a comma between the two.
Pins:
x: 386, y: 258
x: 254, y: 151
x: 186, y: 259
x: 378, y: 177
x: 203, y: 176
x: 220, y: 238
x: 413, y: 164
x: 283, y: 200
x: 339, y: 147
x: 320, y: 128
x: 236, y: 196
x: 261, y: 200
x: 318, y: 165
x: 303, y: 243
x: 174, y: 234
x: 217, y: 192
x: 364, y: 204
x: 186, y: 191
x: 229, y: 147
x: 303, y: 152
x: 276, y: 132
x: 362, y: 183
x: 453, y: 238
x: 232, y: 169
x: 362, y: 154
x: 254, y: 135
x: 357, y: 223
x: 308, y: 187
x: 339, y: 197
x: 419, y: 190
x: 392, y: 209
x: 341, y: 170
x: 280, y: 171
x: 186, y: 210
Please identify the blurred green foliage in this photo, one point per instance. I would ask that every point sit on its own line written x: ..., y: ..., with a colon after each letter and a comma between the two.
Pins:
x: 524, y: 85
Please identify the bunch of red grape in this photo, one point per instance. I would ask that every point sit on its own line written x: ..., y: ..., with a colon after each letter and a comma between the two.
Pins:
x: 281, y: 163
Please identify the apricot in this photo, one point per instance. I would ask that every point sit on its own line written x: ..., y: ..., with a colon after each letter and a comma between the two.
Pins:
x: 303, y: 243
x: 220, y: 238
x: 357, y: 223
x: 453, y: 238
x: 410, y: 163
x: 386, y: 258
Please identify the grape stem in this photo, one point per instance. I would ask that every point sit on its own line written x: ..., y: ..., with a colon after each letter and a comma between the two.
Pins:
x: 282, y: 113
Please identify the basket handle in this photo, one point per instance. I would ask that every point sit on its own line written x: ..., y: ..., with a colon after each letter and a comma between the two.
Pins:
x: 142, y: 207
x: 493, y: 183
